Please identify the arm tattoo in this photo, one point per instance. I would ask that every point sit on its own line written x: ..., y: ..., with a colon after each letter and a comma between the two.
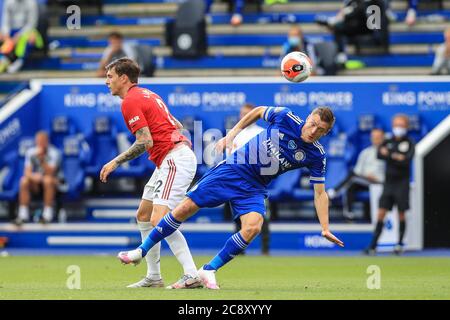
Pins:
x: 142, y: 143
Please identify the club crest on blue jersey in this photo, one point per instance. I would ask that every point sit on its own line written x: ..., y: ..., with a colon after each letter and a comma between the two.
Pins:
x: 300, y: 155
x: 292, y: 145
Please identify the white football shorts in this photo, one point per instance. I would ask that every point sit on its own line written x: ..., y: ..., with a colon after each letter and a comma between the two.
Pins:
x: 168, y: 184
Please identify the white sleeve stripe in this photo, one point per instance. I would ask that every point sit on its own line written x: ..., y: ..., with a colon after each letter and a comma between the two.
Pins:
x: 297, y: 117
x: 290, y: 115
x: 265, y: 113
x: 320, y: 147
x: 317, y: 178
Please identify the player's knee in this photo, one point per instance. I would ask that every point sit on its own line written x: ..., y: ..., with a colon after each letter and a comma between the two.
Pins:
x: 184, y: 210
x: 158, y: 212
x: 143, y: 216
x: 154, y: 220
x: 251, y: 231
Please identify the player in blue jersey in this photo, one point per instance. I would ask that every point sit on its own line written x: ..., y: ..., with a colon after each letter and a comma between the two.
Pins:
x: 242, y: 178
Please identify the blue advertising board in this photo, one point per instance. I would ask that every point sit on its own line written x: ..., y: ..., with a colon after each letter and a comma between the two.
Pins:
x: 213, y: 101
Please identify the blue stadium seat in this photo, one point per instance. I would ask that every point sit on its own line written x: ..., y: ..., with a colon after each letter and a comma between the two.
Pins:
x: 106, y: 143
x: 338, y: 144
x: 360, y: 135
x: 281, y: 188
x: 337, y: 170
x: 340, y: 153
x: 103, y: 145
x: 15, y: 161
x: 61, y: 127
x: 74, y: 159
x: 138, y: 167
x: 301, y: 193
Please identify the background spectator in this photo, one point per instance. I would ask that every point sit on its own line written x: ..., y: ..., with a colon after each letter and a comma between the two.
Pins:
x: 297, y: 42
x: 441, y: 64
x: 411, y: 13
x: 238, y: 6
x: 18, y: 33
x: 368, y: 169
x: 349, y: 22
x: 116, y: 49
x: 42, y: 164
x: 398, y: 152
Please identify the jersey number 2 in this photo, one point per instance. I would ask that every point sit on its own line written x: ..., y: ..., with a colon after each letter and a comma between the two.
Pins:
x: 164, y: 107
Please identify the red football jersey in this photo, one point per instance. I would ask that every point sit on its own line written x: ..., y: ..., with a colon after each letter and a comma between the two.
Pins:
x: 144, y: 108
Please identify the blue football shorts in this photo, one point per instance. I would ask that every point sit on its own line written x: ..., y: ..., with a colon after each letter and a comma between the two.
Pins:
x: 221, y: 184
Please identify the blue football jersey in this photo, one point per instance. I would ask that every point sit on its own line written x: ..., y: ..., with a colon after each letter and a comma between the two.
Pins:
x: 277, y: 150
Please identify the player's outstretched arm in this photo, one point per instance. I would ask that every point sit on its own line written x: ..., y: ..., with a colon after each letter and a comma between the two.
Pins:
x: 248, y: 119
x: 321, y: 204
x: 143, y: 142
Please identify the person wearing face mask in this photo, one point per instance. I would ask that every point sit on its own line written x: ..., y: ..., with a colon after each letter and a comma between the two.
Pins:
x: 397, y: 152
x: 297, y: 42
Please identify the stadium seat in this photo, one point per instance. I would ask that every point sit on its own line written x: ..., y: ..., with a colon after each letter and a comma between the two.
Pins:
x: 138, y: 167
x: 103, y: 145
x: 338, y: 144
x: 360, y: 134
x: 13, y: 163
x: 146, y: 60
x: 326, y: 52
x: 75, y: 156
x: 339, y: 154
x: 61, y: 127
x: 303, y: 191
x: 187, y: 33
x: 281, y: 188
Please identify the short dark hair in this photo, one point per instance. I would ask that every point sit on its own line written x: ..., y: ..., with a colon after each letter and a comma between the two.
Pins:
x: 326, y: 115
x: 125, y: 66
x: 115, y: 34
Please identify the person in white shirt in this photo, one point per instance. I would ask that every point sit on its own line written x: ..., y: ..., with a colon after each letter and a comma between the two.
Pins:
x: 241, y: 139
x: 368, y: 169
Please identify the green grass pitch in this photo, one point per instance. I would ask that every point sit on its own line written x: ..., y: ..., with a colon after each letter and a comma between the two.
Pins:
x: 247, y: 277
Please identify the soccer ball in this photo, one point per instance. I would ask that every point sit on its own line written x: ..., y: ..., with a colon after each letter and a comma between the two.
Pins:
x: 296, y: 66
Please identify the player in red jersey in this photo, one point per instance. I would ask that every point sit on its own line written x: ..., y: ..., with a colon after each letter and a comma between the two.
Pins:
x: 157, y: 132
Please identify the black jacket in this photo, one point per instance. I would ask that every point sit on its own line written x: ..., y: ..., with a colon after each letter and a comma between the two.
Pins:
x: 395, y: 169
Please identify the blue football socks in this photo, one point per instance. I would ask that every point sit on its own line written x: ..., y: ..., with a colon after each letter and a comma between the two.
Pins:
x: 165, y: 228
x: 234, y: 245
